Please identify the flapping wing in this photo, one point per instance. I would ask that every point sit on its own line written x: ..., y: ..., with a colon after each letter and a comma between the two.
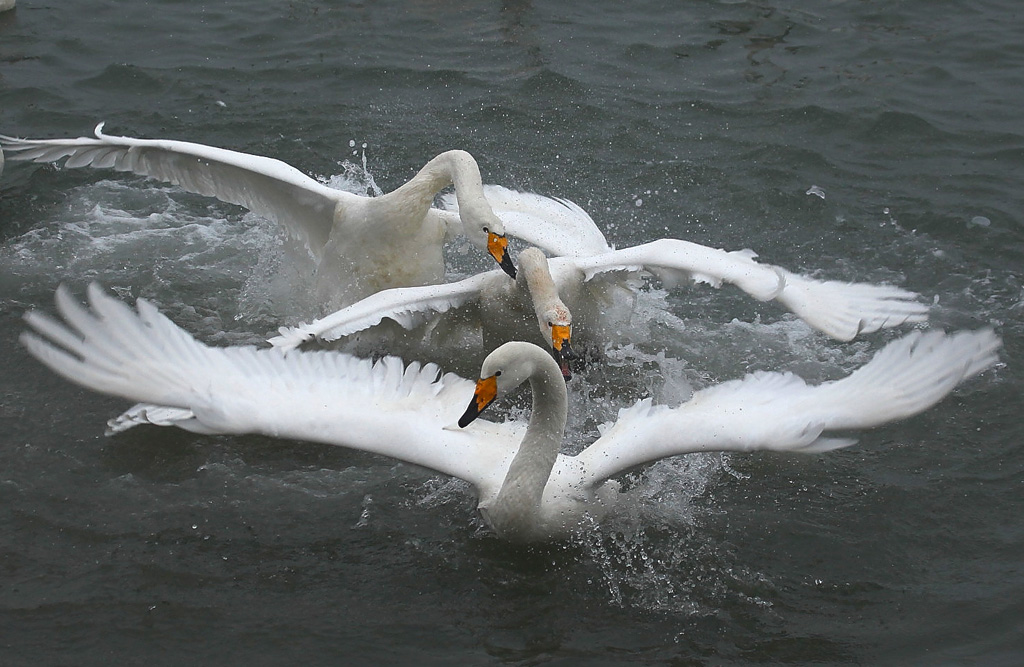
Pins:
x: 557, y: 226
x: 384, y: 407
x: 780, y: 412
x: 846, y: 310
x: 841, y: 310
x: 409, y: 306
x: 267, y: 187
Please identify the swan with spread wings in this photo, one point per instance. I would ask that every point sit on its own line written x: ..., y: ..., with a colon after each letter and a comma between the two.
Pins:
x: 527, y: 489
x: 560, y: 295
x: 359, y: 244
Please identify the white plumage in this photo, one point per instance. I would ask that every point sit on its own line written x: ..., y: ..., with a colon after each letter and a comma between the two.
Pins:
x: 360, y: 244
x: 585, y: 286
x: 527, y: 490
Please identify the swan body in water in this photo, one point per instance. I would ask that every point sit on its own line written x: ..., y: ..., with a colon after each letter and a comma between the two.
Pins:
x: 360, y: 244
x: 527, y: 489
x: 563, y: 290
x: 508, y: 310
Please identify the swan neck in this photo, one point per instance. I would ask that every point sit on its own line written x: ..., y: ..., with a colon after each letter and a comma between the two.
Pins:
x: 533, y: 267
x: 420, y: 190
x: 460, y: 169
x: 514, y: 511
x: 456, y: 168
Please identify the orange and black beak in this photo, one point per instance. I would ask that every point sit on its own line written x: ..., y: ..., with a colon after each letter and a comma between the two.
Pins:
x: 497, y: 245
x: 560, y: 348
x: 486, y: 392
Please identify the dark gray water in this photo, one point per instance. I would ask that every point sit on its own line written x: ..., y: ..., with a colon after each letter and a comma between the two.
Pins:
x: 708, y: 121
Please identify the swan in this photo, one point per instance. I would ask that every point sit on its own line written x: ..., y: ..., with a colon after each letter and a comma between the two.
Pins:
x: 508, y: 310
x: 563, y: 287
x: 360, y: 244
x: 527, y: 490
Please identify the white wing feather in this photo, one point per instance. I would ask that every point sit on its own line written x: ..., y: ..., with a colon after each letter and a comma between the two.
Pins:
x: 841, y: 310
x: 557, y: 226
x: 779, y: 411
x: 384, y: 407
x: 846, y: 310
x: 268, y: 187
x: 408, y: 306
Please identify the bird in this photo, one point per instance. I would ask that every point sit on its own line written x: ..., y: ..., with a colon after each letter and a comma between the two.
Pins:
x: 584, y: 291
x: 507, y: 310
x: 527, y: 490
x: 359, y: 244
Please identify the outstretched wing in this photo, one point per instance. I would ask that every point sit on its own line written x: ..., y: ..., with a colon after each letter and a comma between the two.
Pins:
x: 267, y: 187
x: 841, y: 310
x: 780, y: 412
x: 409, y: 306
x: 384, y: 407
x: 557, y: 226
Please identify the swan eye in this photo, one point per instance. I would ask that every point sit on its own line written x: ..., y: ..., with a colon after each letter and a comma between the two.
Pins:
x: 487, y: 230
x: 551, y: 324
x: 497, y: 373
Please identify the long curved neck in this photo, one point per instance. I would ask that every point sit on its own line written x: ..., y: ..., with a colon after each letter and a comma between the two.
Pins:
x: 456, y: 168
x: 513, y: 513
x: 533, y: 267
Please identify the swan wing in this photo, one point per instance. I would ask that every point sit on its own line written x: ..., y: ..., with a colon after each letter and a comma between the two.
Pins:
x: 156, y: 415
x: 267, y: 187
x: 841, y: 310
x: 846, y: 310
x: 409, y: 306
x: 557, y: 226
x: 385, y: 407
x: 780, y: 412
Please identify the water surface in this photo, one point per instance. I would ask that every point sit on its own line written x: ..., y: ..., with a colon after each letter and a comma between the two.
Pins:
x: 869, y: 141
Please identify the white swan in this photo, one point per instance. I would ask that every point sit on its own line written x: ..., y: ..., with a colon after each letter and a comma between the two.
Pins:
x: 527, y: 490
x: 580, y: 289
x: 360, y: 244
x: 508, y: 310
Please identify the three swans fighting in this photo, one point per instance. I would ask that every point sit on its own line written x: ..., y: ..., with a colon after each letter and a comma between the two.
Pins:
x: 382, y: 258
x: 527, y: 490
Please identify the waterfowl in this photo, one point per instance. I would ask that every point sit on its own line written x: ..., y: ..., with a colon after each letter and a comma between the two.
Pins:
x: 527, y: 489
x: 359, y: 244
x: 583, y: 289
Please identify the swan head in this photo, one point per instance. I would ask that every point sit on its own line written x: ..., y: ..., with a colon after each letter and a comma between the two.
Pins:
x: 553, y: 315
x: 497, y: 247
x: 503, y: 370
x: 556, y: 326
x: 486, y: 231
